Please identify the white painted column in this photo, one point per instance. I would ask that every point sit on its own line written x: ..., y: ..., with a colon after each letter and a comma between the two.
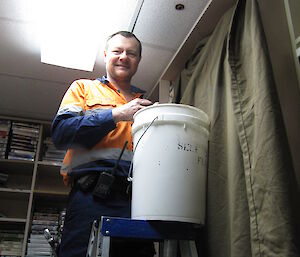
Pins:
x: 164, y: 91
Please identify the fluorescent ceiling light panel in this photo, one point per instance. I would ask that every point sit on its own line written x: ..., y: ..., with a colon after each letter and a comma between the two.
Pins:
x: 71, y: 31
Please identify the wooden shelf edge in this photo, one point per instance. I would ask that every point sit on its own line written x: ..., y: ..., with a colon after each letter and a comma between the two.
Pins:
x: 12, y: 190
x: 17, y: 161
x: 50, y: 193
x: 48, y: 163
x: 13, y: 220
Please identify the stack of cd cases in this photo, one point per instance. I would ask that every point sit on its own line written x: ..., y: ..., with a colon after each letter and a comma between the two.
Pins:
x: 24, y: 138
x: 51, y: 153
x: 11, y: 242
x: 37, y: 242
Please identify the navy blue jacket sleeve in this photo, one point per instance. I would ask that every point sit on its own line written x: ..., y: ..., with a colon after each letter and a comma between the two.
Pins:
x: 69, y: 130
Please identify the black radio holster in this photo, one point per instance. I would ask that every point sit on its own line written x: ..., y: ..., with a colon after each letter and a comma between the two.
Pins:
x: 98, y: 184
x: 103, y: 186
x: 87, y: 182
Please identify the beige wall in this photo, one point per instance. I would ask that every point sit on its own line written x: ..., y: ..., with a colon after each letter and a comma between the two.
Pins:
x: 295, y: 13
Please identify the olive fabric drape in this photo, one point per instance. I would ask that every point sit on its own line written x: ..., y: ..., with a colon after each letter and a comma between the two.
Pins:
x: 251, y: 182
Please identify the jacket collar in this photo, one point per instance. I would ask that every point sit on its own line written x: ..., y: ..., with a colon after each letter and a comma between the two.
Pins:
x: 133, y: 89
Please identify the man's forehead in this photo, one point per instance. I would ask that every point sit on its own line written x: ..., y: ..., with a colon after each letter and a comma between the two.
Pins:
x: 121, y: 41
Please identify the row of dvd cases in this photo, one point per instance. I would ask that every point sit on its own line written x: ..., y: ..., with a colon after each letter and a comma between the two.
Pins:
x: 29, y: 182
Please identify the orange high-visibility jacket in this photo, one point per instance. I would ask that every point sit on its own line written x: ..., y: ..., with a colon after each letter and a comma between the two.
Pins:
x: 85, y: 127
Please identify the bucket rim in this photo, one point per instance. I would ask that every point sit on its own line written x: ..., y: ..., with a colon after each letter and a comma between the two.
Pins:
x: 173, y: 104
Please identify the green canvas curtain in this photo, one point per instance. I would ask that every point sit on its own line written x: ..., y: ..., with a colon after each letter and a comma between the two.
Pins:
x: 251, y: 188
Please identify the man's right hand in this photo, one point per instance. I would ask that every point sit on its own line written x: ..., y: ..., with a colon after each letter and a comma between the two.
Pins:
x: 126, y: 111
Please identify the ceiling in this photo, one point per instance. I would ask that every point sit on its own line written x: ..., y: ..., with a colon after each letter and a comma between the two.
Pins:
x: 31, y: 89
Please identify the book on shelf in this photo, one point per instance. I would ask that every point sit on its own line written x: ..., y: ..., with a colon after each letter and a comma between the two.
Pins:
x: 51, y: 153
x: 25, y: 133
x: 39, y: 228
x: 43, y: 217
x: 45, y: 222
x: 3, y: 147
x: 3, y: 178
x: 5, y: 127
x: 36, y: 238
x: 24, y: 141
x: 12, y: 156
x: 3, y: 141
x: 23, y: 152
x: 39, y: 252
x: 25, y: 129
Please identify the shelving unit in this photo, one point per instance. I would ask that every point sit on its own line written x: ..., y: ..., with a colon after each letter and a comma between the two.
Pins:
x: 47, y: 181
x: 30, y: 184
x: 17, y: 211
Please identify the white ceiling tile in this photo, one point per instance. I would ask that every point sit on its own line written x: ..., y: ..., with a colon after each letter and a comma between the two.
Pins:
x: 33, y: 100
x: 159, y: 23
x: 18, y: 57
x: 18, y: 10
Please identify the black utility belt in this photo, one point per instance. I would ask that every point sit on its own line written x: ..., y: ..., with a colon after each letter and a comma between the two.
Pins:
x: 102, y: 184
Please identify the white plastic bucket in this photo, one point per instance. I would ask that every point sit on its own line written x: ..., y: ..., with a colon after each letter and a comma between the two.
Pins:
x: 169, y: 163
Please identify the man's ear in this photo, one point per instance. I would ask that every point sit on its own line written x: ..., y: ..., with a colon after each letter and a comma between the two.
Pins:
x: 105, y: 54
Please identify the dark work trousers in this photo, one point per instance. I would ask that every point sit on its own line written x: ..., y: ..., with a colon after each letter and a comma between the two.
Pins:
x: 82, y: 210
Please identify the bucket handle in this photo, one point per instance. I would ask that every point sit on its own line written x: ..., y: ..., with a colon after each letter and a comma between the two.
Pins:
x: 129, y: 178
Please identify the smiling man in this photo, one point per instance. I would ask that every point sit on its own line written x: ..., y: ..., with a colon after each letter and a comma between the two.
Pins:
x: 122, y: 56
x: 93, y: 124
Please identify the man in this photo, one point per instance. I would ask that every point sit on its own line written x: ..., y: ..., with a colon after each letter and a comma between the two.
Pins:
x: 94, y: 124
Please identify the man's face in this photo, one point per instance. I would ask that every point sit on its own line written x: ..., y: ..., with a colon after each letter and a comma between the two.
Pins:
x: 121, y: 58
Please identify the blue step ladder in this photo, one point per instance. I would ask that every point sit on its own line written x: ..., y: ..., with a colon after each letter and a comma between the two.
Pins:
x: 168, y: 234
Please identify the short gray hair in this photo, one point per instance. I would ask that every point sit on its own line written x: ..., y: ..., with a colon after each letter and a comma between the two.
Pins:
x: 126, y: 34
